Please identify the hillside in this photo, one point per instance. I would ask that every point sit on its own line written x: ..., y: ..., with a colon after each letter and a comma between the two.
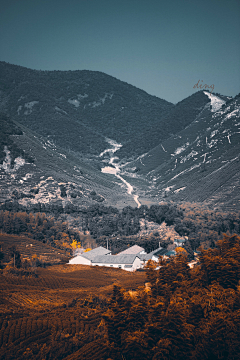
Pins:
x: 79, y: 109
x: 58, y: 312
x: 61, y: 128
x: 36, y: 173
x: 89, y: 313
x: 29, y: 247
x: 199, y: 163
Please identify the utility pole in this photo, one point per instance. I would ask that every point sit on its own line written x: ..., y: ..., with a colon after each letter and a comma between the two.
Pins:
x: 107, y: 244
x: 14, y: 259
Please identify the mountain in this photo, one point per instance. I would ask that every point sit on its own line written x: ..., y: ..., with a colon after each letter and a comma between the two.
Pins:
x: 201, y: 162
x: 78, y: 110
x: 40, y: 176
x: 59, y: 129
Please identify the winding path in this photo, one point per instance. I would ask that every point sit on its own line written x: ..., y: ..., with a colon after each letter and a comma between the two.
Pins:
x: 116, y: 169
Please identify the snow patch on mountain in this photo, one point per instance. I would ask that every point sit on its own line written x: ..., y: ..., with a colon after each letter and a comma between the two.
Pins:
x: 213, y: 133
x: 74, y: 102
x: 189, y: 156
x: 180, y: 189
x: 29, y: 107
x: 212, y: 143
x: 19, y: 109
x: 60, y: 110
x: 180, y: 149
x: 100, y: 101
x: 163, y: 148
x: 6, y: 165
x: 233, y: 113
x: 82, y: 96
x: 184, y: 171
x: 216, y: 102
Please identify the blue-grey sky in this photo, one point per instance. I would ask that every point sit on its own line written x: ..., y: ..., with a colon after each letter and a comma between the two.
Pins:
x: 162, y: 47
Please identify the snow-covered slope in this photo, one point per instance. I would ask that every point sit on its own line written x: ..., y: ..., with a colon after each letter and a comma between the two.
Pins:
x: 200, y: 163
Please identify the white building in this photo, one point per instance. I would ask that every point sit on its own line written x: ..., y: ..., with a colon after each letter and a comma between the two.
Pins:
x: 127, y: 262
x: 86, y: 258
x: 102, y: 257
x: 130, y: 259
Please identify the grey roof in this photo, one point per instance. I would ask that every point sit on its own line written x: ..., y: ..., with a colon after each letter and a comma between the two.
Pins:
x: 157, y: 252
x: 145, y: 257
x: 135, y: 249
x: 95, y: 252
x: 170, y: 253
x: 180, y: 240
x: 114, y: 259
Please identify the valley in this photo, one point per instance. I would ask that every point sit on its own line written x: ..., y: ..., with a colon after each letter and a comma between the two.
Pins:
x: 114, y: 169
x: 81, y: 138
x: 87, y: 160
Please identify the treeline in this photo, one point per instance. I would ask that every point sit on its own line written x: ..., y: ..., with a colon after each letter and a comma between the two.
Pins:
x: 204, y: 226
x: 109, y: 221
x: 39, y: 227
x: 183, y: 313
x: 201, y: 225
x: 197, y: 222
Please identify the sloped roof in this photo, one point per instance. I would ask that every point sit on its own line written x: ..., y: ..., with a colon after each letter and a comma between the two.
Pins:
x: 180, y: 240
x: 114, y: 259
x: 135, y: 249
x: 157, y: 252
x: 96, y: 252
x: 144, y: 257
x: 171, y: 253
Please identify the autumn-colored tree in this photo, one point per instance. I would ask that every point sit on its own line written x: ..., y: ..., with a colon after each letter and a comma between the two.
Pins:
x: 184, y: 314
x: 16, y: 256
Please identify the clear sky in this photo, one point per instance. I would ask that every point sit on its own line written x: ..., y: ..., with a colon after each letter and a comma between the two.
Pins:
x: 162, y: 47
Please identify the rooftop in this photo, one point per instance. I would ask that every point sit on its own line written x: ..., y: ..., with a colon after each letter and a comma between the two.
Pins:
x: 114, y: 259
x: 135, y: 249
x: 96, y: 252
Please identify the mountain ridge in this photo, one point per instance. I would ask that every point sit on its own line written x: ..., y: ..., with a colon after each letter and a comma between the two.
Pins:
x: 67, y: 118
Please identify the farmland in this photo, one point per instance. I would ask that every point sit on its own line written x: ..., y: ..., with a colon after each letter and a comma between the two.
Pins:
x: 57, y: 313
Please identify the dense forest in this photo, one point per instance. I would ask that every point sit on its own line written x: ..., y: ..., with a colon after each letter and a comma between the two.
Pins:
x: 183, y: 313
x: 97, y: 224
x: 40, y: 227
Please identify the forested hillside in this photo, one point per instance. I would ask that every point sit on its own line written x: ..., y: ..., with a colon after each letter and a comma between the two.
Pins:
x: 96, y: 224
x: 173, y: 312
x: 183, y: 313
x: 79, y: 109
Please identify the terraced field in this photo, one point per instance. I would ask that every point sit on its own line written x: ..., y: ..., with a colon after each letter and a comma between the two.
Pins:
x: 29, y: 247
x: 57, y: 315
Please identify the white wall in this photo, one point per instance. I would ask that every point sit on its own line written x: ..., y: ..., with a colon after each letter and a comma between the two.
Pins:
x: 136, y: 265
x: 79, y: 260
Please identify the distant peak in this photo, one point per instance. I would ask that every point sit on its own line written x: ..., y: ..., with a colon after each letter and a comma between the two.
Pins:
x: 216, y: 102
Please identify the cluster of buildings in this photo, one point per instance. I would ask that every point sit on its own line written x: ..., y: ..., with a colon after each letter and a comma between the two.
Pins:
x: 131, y: 259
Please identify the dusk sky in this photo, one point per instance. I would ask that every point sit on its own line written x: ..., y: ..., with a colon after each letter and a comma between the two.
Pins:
x: 162, y: 47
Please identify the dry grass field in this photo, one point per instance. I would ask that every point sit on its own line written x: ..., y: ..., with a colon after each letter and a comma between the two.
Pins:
x: 56, y: 314
x: 29, y: 247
